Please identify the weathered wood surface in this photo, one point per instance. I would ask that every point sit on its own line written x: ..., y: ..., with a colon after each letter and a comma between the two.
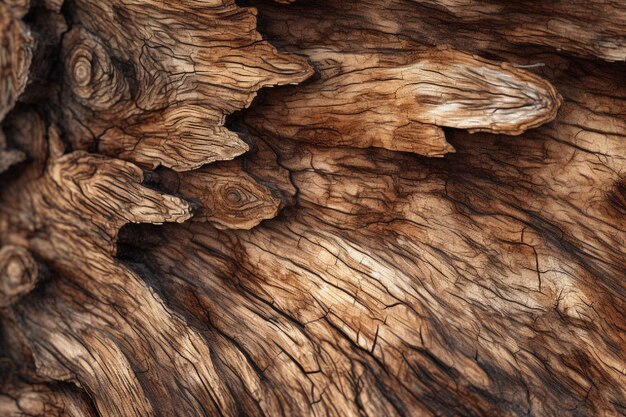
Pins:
x: 307, y: 257
x: 153, y: 82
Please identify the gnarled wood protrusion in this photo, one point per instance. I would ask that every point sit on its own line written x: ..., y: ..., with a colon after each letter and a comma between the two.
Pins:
x: 71, y: 206
x: 78, y: 206
x: 16, y: 46
x: 398, y: 103
x: 154, y: 85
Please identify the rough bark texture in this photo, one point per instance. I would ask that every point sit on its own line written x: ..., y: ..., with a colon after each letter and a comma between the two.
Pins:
x: 308, y: 256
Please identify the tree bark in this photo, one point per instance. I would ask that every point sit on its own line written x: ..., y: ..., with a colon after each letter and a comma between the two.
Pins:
x: 421, y: 214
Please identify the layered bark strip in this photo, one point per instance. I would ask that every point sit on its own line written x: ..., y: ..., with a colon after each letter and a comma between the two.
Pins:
x: 398, y: 102
x: 422, y: 214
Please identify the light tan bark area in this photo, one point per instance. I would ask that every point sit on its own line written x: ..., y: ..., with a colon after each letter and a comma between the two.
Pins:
x: 168, y: 247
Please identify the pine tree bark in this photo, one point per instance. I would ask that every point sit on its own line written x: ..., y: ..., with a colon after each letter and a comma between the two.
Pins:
x: 421, y: 214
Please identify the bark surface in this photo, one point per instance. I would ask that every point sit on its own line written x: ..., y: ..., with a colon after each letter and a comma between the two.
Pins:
x: 422, y: 214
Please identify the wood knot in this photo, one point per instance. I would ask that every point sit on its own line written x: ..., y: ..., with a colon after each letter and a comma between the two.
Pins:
x: 18, y: 274
x: 81, y: 67
x: 93, y: 78
x: 229, y: 198
x: 238, y: 202
x: 236, y: 197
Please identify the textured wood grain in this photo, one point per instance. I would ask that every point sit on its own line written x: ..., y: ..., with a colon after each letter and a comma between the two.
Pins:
x: 77, y: 206
x: 170, y: 248
x: 394, y: 275
x: 586, y: 28
x: 152, y: 83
